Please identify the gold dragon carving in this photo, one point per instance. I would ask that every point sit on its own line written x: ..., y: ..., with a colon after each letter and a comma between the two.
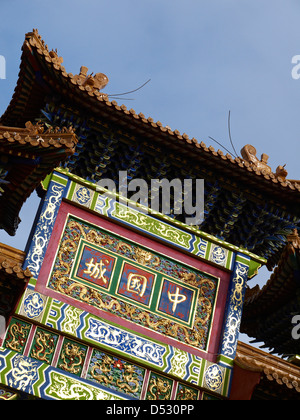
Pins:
x: 104, y: 377
x: 159, y: 388
x: 18, y: 335
x: 187, y: 394
x: 93, y: 297
x: 105, y: 368
x: 71, y: 353
x: 128, y: 376
x: 45, y: 346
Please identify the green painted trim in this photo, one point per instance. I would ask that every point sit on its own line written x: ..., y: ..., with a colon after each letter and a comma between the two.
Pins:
x: 71, y: 190
x: 60, y: 180
x: 46, y: 182
x: 225, y: 361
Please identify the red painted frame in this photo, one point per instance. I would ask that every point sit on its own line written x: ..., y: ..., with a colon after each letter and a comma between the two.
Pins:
x: 45, y: 272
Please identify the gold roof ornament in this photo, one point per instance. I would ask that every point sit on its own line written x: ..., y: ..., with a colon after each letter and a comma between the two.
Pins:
x: 96, y: 82
x: 249, y: 155
x: 281, y: 173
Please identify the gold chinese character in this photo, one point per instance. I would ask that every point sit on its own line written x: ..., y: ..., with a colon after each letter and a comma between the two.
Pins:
x: 176, y: 298
x: 137, y: 284
x: 96, y: 270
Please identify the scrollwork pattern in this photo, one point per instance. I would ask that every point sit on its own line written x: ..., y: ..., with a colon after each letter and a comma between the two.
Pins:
x: 234, y: 312
x: 44, y: 228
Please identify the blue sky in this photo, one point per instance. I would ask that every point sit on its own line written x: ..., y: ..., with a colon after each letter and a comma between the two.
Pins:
x: 204, y: 58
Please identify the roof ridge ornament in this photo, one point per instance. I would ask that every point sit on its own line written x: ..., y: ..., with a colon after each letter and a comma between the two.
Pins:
x: 55, y: 57
x: 96, y: 82
x: 249, y: 155
x: 281, y: 173
x: 34, y: 129
x: 38, y: 128
x: 36, y: 38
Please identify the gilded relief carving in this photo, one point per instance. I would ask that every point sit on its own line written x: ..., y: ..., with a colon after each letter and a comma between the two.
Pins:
x: 72, y: 357
x: 144, y: 257
x: 159, y: 388
x: 105, y: 369
x: 17, y: 336
x: 139, y: 255
x: 44, y: 346
x: 62, y: 281
x: 130, y: 384
x: 116, y: 374
x: 186, y: 393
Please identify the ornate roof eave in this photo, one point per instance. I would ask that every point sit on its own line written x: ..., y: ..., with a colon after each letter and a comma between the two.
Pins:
x: 29, y: 99
x: 27, y: 156
x: 267, y: 313
x: 271, y: 367
x: 13, y: 278
x: 14, y: 269
x: 285, y: 269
